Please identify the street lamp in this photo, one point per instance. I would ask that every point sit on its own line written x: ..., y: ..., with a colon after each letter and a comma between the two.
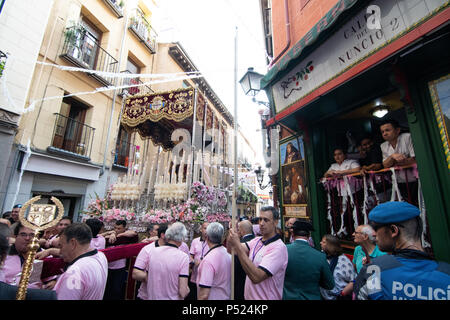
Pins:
x: 260, y: 177
x: 250, y: 82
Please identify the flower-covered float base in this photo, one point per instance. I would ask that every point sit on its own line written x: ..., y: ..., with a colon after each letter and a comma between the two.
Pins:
x: 207, y: 204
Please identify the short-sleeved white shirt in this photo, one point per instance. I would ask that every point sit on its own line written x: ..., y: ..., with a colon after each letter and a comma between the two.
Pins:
x: 405, y: 147
x: 347, y: 164
x: 166, y: 264
x: 85, y: 279
x: 272, y: 258
x: 198, y: 249
x: 214, y: 272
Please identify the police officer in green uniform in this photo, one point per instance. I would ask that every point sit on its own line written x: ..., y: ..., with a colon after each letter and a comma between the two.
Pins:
x: 307, y: 268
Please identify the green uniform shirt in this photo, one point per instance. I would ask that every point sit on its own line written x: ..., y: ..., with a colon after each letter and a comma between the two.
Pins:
x: 307, y: 270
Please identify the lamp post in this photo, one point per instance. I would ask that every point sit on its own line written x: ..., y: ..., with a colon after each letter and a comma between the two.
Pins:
x: 260, y: 178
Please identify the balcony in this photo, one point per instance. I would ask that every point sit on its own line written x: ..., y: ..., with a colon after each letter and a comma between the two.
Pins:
x: 143, y: 31
x: 121, y: 158
x: 139, y: 89
x: 116, y: 6
x: 83, y: 50
x: 72, y: 138
x: 3, y: 58
x: 350, y: 198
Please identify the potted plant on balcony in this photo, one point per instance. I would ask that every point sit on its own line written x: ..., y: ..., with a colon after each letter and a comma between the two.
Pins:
x: 74, y: 39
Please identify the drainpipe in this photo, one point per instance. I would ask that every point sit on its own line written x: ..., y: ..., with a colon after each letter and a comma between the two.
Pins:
x: 288, y: 33
x: 102, y: 171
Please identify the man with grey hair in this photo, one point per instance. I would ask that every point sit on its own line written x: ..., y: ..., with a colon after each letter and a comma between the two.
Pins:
x: 214, y: 271
x: 364, y: 236
x: 168, y: 267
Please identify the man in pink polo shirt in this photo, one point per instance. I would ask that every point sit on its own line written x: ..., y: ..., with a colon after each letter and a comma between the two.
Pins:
x: 98, y: 241
x: 168, y: 267
x: 85, y: 277
x: 264, y: 259
x: 16, y: 257
x: 214, y: 271
x: 117, y: 271
x: 141, y: 263
x: 199, y: 247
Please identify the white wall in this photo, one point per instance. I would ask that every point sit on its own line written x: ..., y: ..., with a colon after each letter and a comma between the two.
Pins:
x: 22, y: 27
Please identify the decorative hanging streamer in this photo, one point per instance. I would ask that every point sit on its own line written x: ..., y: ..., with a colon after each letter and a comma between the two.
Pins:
x: 329, y: 207
x: 366, y: 200
x: 4, y: 80
x: 422, y: 208
x: 120, y: 75
x: 395, y: 189
x: 352, y: 201
x: 344, y: 208
x: 104, y: 89
x: 22, y: 169
x: 372, y: 187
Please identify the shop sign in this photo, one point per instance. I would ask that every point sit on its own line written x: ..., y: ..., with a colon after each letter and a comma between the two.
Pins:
x: 351, y: 44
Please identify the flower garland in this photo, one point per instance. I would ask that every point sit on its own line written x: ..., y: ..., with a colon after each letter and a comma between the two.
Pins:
x: 115, y: 214
x: 195, y: 210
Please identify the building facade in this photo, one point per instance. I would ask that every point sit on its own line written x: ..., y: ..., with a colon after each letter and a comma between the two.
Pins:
x: 335, y: 65
x: 20, y: 44
x: 77, y: 144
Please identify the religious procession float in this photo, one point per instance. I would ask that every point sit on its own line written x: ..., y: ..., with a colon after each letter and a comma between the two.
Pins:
x: 180, y: 172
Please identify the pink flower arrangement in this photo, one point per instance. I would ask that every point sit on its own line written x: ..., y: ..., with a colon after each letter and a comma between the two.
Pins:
x: 98, y: 206
x: 115, y: 214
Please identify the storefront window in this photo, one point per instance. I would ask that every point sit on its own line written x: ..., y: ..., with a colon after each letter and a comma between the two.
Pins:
x: 440, y: 96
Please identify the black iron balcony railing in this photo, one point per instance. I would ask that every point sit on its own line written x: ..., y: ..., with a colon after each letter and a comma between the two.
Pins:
x: 83, y: 50
x: 116, y: 6
x: 134, y: 90
x: 72, y: 136
x: 143, y: 30
x: 121, y: 158
x: 3, y: 58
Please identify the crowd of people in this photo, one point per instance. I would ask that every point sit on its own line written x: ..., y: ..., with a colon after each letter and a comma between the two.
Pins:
x: 266, y: 267
x: 396, y: 151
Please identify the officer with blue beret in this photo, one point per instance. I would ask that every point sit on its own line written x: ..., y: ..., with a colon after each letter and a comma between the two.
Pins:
x: 408, y: 272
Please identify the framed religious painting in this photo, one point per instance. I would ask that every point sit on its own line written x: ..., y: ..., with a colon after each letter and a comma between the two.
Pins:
x: 294, y: 185
x: 440, y: 93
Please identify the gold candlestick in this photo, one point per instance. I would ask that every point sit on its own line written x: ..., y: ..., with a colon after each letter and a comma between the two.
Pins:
x: 40, y: 217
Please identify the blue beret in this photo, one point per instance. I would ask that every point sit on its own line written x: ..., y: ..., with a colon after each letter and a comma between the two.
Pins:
x: 393, y: 211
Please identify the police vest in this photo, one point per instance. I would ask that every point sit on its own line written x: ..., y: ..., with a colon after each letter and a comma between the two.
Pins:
x: 407, y: 275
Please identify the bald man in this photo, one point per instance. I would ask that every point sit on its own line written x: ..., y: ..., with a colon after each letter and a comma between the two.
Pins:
x: 245, y: 232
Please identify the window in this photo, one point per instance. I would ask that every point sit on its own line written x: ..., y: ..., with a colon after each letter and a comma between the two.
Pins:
x: 70, y: 132
x: 122, y: 148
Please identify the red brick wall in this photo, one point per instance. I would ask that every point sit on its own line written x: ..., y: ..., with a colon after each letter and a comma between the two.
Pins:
x: 303, y: 16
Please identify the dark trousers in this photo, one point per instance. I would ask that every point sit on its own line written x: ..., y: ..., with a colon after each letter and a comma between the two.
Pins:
x: 115, y: 284
x: 192, y: 291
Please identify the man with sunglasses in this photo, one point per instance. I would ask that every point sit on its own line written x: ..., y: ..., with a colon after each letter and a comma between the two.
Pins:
x: 264, y: 259
x: 408, y: 273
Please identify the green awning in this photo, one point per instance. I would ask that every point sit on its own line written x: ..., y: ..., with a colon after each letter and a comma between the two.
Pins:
x: 326, y: 22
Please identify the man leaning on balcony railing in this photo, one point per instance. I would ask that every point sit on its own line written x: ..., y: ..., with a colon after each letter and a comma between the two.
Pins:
x: 343, y: 166
x: 397, y: 151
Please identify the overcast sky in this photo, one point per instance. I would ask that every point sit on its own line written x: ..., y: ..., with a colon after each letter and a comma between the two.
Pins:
x: 206, y: 30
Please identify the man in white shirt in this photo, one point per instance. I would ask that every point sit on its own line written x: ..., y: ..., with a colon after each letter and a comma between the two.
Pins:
x: 343, y: 166
x: 398, y: 150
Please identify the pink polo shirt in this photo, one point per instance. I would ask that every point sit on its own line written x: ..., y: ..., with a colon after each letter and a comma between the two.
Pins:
x: 98, y: 243
x: 272, y: 258
x: 184, y: 247
x: 214, y: 272
x: 198, y: 250
x: 141, y: 263
x: 166, y: 265
x: 85, y: 279
x: 12, y: 269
